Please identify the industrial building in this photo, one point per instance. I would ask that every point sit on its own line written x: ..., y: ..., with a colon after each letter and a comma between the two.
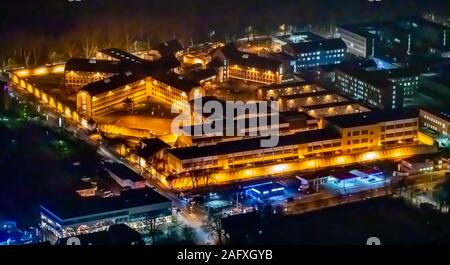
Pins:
x: 70, y: 214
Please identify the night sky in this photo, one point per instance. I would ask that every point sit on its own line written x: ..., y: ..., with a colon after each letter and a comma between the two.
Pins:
x: 53, y: 24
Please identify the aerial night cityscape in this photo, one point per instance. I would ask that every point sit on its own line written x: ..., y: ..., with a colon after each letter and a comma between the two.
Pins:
x: 226, y: 123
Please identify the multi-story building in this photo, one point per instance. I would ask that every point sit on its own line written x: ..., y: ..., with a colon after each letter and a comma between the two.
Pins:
x: 172, y: 88
x: 106, y: 95
x: 80, y: 71
x: 375, y: 130
x: 367, y: 88
x: 72, y: 215
x: 436, y: 120
x: 234, y: 64
x: 341, y: 135
x: 314, y: 53
x: 396, y: 40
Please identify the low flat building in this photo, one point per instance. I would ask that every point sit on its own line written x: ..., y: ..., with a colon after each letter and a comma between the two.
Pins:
x: 423, y: 163
x: 120, y: 234
x: 124, y: 176
x: 71, y: 214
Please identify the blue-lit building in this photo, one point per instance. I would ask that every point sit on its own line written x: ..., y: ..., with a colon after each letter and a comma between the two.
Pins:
x: 72, y: 214
x: 314, y: 53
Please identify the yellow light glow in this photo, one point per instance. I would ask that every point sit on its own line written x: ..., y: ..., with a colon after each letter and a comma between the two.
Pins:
x: 340, y: 160
x: 370, y: 156
x: 58, y: 69
x: 279, y: 168
x: 40, y: 71
x: 23, y: 73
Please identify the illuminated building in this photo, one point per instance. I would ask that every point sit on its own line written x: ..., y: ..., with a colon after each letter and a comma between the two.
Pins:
x: 106, y: 95
x: 374, y: 130
x: 172, y: 88
x: 171, y: 47
x: 365, y: 86
x: 314, y: 53
x: 436, y: 120
x: 400, y: 38
x: 71, y: 214
x: 341, y: 135
x: 234, y: 64
x: 310, y: 98
x: 79, y: 71
x: 424, y: 163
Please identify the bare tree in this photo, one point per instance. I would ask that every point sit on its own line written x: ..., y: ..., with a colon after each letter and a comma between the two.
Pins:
x: 215, y: 224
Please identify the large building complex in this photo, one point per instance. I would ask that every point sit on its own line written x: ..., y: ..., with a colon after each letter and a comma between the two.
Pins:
x: 341, y: 135
x: 136, y: 79
x: 73, y: 214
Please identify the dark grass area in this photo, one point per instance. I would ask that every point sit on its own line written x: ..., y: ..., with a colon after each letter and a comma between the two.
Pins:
x: 35, y: 162
x: 391, y: 220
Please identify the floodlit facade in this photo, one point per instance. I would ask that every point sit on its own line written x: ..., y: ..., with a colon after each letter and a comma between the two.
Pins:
x: 71, y: 216
x: 342, y: 135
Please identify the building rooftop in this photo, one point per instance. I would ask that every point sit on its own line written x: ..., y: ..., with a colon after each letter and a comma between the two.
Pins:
x: 443, y: 113
x: 169, y: 47
x: 123, y: 172
x: 252, y: 144
x: 111, y: 83
x: 366, y: 76
x: 122, y: 55
x: 314, y: 46
x: 288, y: 84
x: 175, y: 80
x: 94, y: 65
x: 151, y: 147
x: 249, y: 59
x: 69, y: 206
x: 199, y: 75
x: 373, y: 117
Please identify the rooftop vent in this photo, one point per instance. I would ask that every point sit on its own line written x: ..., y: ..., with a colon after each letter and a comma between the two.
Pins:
x: 245, y: 56
x: 166, y: 44
x: 128, y: 73
x: 92, y: 61
x: 107, y: 80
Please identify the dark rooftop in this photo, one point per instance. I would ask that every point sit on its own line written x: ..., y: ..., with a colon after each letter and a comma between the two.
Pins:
x: 252, y: 144
x: 177, y: 81
x: 199, y: 75
x: 72, y: 205
x: 313, y: 46
x: 367, y: 118
x: 150, y: 147
x: 169, y: 47
x: 94, y: 65
x: 108, y: 84
x: 123, y: 171
x: 249, y: 59
x: 122, y: 55
x: 288, y: 84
